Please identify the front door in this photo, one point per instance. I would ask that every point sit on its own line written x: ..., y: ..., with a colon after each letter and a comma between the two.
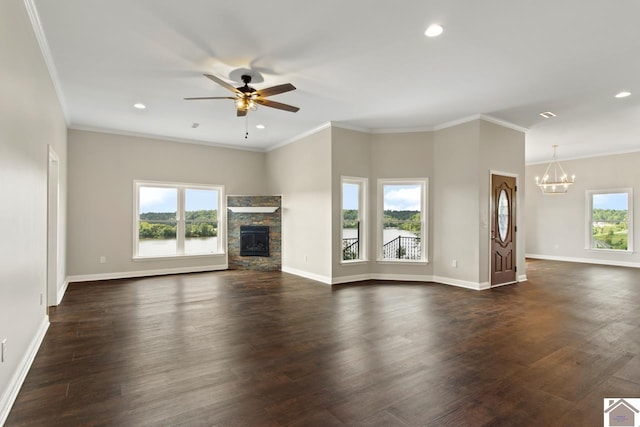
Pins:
x: 503, y: 229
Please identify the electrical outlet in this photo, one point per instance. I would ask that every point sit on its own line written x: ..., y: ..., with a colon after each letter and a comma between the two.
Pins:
x: 41, y: 298
x: 454, y: 263
x: 103, y: 259
x: 3, y: 350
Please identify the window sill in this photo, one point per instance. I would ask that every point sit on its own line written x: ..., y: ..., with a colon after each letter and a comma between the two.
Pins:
x: 610, y: 251
x: 175, y: 257
x: 355, y: 262
x: 402, y: 261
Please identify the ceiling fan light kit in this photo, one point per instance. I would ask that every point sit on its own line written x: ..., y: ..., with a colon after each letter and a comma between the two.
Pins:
x: 247, y: 98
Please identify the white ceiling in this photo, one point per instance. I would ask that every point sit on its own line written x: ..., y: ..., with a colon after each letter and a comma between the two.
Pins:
x: 357, y: 63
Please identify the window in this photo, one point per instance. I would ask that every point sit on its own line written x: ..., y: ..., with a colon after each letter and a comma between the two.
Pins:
x: 402, y: 215
x: 610, y: 220
x: 354, y: 192
x: 177, y: 220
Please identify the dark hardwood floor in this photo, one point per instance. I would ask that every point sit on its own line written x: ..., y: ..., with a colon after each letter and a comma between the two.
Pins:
x: 240, y: 348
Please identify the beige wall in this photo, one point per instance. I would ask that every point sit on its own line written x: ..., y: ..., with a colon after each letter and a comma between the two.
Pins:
x: 457, y: 161
x: 301, y: 173
x: 307, y: 173
x: 501, y: 151
x: 102, y: 169
x: 30, y: 119
x: 556, y: 225
x: 464, y: 157
x: 350, y: 157
x: 401, y: 155
x: 456, y: 202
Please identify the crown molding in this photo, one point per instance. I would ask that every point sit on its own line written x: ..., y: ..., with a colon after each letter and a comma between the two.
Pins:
x: 445, y: 125
x: 348, y: 126
x: 36, y: 24
x: 441, y: 126
x: 456, y: 122
x: 164, y: 138
x: 503, y: 123
x: 298, y: 137
x: 485, y: 117
x: 403, y: 130
x: 588, y: 156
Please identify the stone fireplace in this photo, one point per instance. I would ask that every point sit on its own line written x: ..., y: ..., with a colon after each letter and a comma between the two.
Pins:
x: 254, y: 232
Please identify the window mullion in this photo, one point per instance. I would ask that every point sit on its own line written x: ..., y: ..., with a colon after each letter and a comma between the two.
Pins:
x: 180, y: 221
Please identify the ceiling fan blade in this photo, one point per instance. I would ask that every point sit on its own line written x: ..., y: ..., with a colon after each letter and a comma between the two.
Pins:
x: 274, y: 90
x: 210, y: 97
x: 278, y: 105
x: 241, y: 113
x: 222, y: 83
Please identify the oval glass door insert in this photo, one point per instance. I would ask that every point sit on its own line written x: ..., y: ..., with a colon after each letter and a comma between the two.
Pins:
x: 503, y: 215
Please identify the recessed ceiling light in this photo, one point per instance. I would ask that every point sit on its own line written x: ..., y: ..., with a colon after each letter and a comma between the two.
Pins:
x: 623, y: 94
x: 260, y: 126
x: 547, y: 114
x: 434, y: 30
x: 139, y: 106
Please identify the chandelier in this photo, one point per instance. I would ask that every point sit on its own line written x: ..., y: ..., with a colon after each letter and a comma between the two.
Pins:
x: 555, y: 179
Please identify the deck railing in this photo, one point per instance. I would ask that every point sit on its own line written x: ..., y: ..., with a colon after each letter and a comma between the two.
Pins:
x: 350, y: 248
x: 402, y: 247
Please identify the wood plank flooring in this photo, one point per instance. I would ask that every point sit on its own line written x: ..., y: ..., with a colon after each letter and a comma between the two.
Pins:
x: 240, y: 348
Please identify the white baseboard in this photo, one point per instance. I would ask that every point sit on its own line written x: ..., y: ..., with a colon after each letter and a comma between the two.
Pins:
x: 144, y: 273
x: 9, y: 397
x: 585, y: 260
x: 461, y: 283
x: 522, y: 278
x: 386, y: 276
x: 349, y: 279
x: 307, y: 275
x: 504, y: 284
x: 62, y: 291
x: 402, y: 277
x: 382, y: 276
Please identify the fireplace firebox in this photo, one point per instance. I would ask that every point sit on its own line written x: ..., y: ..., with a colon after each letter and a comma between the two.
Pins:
x: 254, y: 240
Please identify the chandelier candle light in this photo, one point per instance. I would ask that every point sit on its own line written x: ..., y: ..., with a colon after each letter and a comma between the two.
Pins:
x: 555, y: 179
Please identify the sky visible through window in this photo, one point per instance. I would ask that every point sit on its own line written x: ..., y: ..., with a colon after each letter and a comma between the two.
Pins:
x: 616, y: 201
x: 402, y: 197
x: 396, y: 197
x: 159, y: 199
x: 350, y: 196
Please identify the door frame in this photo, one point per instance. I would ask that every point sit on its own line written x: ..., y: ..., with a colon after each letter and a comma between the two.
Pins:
x: 493, y: 172
x: 53, y: 228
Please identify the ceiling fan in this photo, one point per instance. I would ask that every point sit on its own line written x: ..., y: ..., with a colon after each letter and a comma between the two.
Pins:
x: 248, y: 98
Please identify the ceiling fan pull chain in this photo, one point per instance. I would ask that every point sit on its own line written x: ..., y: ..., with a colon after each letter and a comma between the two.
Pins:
x: 246, y: 127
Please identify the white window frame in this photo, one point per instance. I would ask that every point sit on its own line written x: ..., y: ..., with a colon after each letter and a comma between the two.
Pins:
x: 180, y: 218
x: 362, y: 217
x: 589, y: 219
x: 424, y: 223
